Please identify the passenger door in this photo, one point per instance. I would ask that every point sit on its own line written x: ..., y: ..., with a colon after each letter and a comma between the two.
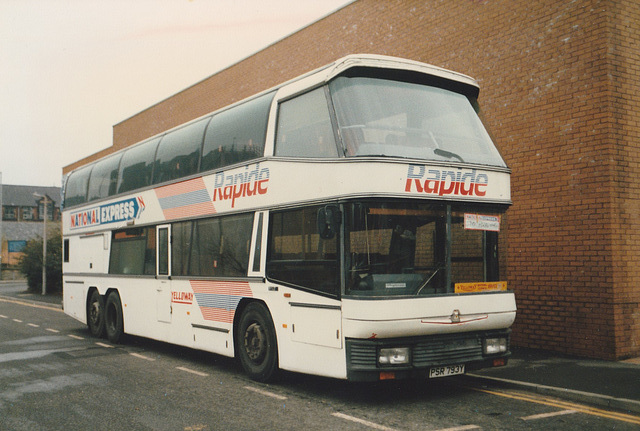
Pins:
x: 163, y: 273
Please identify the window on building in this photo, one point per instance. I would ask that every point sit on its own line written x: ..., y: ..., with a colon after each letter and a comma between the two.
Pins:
x: 27, y: 213
x: 298, y: 256
x: 41, y: 211
x: 10, y: 213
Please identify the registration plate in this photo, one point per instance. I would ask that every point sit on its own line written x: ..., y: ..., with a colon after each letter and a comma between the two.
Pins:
x: 447, y: 370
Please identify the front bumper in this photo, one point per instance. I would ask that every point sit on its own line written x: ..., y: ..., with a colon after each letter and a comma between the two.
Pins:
x: 425, y: 352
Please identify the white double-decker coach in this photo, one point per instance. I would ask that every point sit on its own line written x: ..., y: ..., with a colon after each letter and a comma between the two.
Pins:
x: 343, y: 224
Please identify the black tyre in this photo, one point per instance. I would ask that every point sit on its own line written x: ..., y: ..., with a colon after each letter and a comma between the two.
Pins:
x: 95, y: 314
x: 256, y: 343
x: 113, y: 321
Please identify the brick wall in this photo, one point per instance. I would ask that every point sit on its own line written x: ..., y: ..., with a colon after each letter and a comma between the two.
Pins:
x: 623, y: 61
x: 559, y: 91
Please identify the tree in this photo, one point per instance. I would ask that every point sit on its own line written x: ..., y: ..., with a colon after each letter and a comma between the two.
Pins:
x: 30, y: 264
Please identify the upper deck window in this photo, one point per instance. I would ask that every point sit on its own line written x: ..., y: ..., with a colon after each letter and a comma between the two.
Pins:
x: 179, y: 152
x: 237, y: 134
x: 136, y: 166
x: 378, y: 117
x: 104, y: 178
x: 304, y: 127
x: 76, y: 189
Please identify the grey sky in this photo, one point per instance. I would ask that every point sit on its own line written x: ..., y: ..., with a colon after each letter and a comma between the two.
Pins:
x: 71, y: 69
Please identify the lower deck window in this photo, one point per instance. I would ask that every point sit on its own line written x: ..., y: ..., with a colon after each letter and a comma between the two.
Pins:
x: 297, y: 255
x: 214, y: 247
x: 133, y: 251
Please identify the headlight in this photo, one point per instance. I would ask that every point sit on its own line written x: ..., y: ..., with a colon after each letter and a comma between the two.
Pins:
x: 495, y: 345
x: 393, y: 356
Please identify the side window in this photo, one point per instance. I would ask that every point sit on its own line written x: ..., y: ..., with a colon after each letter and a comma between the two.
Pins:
x: 181, y: 234
x: 65, y: 251
x: 137, y: 166
x: 304, y: 127
x: 297, y: 255
x: 75, y: 192
x: 133, y: 252
x: 179, y: 152
x: 237, y: 134
x: 163, y: 250
x: 214, y: 247
x: 104, y: 178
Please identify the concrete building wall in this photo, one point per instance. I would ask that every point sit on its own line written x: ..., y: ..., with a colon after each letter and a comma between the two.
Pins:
x: 559, y: 92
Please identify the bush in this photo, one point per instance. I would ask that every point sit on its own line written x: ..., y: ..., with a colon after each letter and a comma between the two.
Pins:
x: 30, y: 264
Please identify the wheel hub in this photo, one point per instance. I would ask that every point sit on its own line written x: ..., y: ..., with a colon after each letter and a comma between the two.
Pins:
x: 254, y: 342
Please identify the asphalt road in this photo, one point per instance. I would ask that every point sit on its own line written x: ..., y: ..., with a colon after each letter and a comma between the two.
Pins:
x: 55, y: 376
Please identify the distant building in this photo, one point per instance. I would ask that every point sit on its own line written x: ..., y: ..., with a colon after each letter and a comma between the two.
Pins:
x: 23, y: 217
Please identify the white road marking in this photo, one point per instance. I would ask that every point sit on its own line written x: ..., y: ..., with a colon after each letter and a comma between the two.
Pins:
x: 138, y: 355
x: 362, y: 422
x: 548, y: 415
x: 188, y: 370
x: 17, y: 320
x: 104, y: 345
x: 33, y: 325
x: 76, y: 337
x: 55, y: 331
x: 461, y: 428
x: 3, y: 316
x: 266, y: 393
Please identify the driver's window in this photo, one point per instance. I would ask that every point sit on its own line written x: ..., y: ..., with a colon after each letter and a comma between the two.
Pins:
x: 298, y: 255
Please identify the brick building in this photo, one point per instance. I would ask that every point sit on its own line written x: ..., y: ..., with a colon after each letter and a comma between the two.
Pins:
x: 560, y: 91
x: 22, y: 212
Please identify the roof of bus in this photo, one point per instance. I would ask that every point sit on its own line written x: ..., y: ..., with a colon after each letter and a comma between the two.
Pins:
x: 388, y: 62
x: 327, y: 73
x: 465, y: 84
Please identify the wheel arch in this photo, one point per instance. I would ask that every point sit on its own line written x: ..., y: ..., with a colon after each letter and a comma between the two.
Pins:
x: 242, y: 305
x: 87, y: 299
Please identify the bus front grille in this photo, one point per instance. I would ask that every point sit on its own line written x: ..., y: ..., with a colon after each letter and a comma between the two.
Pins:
x: 425, y: 351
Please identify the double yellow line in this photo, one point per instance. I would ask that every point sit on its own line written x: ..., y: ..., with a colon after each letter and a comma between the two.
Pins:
x: 30, y: 304
x: 564, y: 405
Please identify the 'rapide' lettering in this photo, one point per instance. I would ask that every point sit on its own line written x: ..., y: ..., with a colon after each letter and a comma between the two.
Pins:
x: 446, y: 182
x: 241, y: 184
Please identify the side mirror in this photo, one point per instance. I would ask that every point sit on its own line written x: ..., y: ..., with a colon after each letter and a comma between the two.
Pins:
x: 329, y: 219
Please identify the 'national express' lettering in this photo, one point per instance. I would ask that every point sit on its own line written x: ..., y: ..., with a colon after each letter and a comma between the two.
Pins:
x: 446, y: 182
x: 120, y: 211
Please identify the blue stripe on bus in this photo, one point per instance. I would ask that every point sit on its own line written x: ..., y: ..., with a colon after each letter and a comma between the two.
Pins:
x: 184, y: 199
x: 227, y: 302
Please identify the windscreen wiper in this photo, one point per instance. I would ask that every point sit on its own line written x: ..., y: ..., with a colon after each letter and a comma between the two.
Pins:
x: 447, y: 154
x: 443, y: 153
x: 423, y: 285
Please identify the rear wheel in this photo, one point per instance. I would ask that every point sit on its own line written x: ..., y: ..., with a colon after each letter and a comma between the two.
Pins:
x: 113, y: 321
x: 95, y: 314
x: 256, y: 341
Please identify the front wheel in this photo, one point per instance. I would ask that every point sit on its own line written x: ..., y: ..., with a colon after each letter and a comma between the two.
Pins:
x: 95, y: 314
x: 256, y: 341
x: 113, y: 320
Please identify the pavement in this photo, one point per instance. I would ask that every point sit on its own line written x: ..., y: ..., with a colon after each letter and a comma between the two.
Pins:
x: 607, y: 384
